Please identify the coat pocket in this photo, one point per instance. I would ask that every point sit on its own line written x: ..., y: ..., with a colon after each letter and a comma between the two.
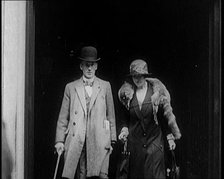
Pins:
x: 158, y: 147
x: 68, y: 140
x: 70, y: 132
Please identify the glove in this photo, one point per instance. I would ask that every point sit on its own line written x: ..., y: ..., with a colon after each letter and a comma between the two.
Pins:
x: 172, y: 144
x: 59, y: 147
x: 124, y: 134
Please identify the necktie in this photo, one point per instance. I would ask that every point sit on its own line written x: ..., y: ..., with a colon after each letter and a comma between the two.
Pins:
x: 88, y: 87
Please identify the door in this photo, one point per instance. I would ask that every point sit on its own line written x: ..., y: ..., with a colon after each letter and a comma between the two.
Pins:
x: 180, y: 42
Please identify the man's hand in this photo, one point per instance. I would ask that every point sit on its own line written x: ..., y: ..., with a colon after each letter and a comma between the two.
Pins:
x: 59, y: 147
x: 172, y: 144
x: 124, y: 134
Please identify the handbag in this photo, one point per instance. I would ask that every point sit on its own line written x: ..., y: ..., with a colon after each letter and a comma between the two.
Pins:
x: 123, y: 165
x: 173, y: 172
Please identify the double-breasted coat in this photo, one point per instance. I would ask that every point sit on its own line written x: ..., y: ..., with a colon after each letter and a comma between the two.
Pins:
x: 95, y: 127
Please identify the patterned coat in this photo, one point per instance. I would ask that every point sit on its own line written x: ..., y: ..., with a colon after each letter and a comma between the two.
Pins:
x: 75, y: 126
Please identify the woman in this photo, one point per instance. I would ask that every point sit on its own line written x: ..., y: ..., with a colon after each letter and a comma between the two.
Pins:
x: 145, y: 99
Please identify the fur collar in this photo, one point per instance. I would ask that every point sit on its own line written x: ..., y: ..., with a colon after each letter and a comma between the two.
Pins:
x: 160, y: 93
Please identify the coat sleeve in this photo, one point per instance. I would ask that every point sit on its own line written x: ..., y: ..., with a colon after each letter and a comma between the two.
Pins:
x: 124, y: 116
x: 163, y: 99
x: 63, y: 119
x: 110, y: 112
x: 168, y: 114
x: 125, y: 94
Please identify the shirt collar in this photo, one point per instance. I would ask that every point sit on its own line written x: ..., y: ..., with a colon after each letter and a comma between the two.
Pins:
x: 88, y: 82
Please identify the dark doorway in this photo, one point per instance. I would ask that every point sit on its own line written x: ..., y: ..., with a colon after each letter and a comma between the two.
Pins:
x: 172, y: 36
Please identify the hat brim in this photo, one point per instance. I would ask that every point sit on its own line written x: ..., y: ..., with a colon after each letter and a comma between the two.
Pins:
x: 145, y: 75
x: 89, y: 59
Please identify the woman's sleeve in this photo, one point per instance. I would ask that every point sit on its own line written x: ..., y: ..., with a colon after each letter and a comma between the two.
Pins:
x: 125, y: 95
x: 172, y: 124
x: 124, y: 117
x: 164, y: 101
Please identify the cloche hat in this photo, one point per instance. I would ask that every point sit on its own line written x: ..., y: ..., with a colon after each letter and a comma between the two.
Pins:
x: 139, y: 67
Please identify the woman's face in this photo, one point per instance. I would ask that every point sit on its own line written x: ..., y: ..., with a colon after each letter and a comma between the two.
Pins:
x: 138, y: 80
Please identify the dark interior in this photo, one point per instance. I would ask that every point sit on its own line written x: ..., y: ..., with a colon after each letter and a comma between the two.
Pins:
x: 172, y: 36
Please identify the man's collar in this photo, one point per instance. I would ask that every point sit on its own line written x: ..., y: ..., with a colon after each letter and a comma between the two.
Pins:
x: 89, y: 80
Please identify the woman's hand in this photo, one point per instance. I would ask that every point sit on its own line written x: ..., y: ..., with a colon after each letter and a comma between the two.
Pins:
x: 172, y: 144
x: 171, y: 141
x: 122, y: 137
x: 124, y: 134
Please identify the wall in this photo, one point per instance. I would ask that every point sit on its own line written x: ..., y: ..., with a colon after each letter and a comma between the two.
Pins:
x: 13, y: 79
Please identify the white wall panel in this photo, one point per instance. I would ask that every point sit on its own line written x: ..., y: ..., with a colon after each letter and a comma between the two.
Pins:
x: 13, y: 79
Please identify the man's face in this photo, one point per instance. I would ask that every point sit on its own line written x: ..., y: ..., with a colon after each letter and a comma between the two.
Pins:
x: 88, y: 69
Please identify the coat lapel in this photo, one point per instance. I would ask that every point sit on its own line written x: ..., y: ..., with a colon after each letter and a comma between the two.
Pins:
x: 96, y: 89
x: 81, y: 94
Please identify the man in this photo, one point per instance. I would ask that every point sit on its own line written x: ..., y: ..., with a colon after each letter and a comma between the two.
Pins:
x: 86, y: 127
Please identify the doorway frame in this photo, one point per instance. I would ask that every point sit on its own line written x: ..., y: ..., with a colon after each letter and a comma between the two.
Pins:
x: 215, y: 85
x: 29, y: 91
x: 214, y: 132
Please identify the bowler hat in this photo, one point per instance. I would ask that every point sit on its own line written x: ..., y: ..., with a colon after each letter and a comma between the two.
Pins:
x: 89, y: 54
x: 139, y: 67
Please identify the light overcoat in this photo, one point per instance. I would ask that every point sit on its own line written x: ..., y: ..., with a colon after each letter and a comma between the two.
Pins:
x: 97, y: 127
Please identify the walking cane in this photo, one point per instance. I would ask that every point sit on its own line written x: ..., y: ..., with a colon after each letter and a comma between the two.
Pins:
x: 56, y: 168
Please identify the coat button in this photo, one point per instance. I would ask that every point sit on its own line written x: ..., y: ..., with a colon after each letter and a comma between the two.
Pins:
x: 76, y: 112
x: 144, y: 146
x: 73, y: 123
x: 144, y: 134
